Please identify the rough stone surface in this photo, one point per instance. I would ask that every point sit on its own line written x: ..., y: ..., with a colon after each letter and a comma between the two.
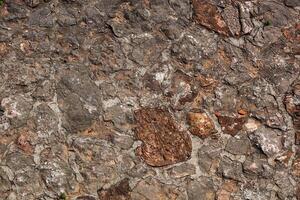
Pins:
x: 149, y: 99
x: 201, y: 125
x: 163, y: 144
x: 120, y: 191
x: 202, y: 189
x: 231, y: 125
x: 209, y: 16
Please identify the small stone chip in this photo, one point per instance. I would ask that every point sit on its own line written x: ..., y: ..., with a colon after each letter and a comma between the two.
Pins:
x: 163, y: 144
x: 201, y: 124
x: 231, y: 125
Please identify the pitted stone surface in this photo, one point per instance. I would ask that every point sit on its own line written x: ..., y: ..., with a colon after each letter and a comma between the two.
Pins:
x: 149, y: 99
x: 163, y: 144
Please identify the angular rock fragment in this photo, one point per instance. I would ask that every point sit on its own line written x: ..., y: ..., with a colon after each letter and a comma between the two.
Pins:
x: 23, y: 141
x: 268, y: 141
x: 292, y: 3
x: 259, y: 97
x: 42, y: 17
x: 201, y: 189
x: 292, y: 104
x: 17, y: 109
x: 296, y: 167
x: 119, y: 191
x: 245, y: 20
x: 227, y: 188
x: 201, y: 124
x: 32, y: 3
x: 163, y: 144
x: 238, y: 145
x: 182, y: 170
x: 5, y: 184
x: 153, y: 189
x: 256, y: 164
x: 208, y: 16
x: 231, y: 125
x: 209, y: 156
x: 231, y: 169
x: 231, y: 17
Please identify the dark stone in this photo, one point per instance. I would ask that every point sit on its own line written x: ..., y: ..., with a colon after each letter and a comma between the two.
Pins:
x: 119, y: 191
x: 292, y: 3
x: 42, y: 17
x: 32, y: 3
x: 86, y: 197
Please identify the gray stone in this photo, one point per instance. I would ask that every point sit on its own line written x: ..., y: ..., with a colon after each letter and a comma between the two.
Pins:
x: 268, y: 140
x: 32, y: 3
x: 239, y: 145
x: 42, y: 17
x: 201, y: 189
x: 231, y: 169
x: 292, y: 3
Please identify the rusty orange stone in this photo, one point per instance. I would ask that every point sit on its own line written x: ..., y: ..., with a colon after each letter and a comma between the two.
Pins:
x: 201, y: 124
x: 208, y: 16
x: 163, y: 144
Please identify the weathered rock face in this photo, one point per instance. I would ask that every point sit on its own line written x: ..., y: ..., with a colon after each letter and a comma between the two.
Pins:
x: 119, y: 191
x: 231, y: 125
x: 151, y: 99
x: 209, y: 16
x: 202, y: 189
x: 163, y: 144
x: 292, y: 104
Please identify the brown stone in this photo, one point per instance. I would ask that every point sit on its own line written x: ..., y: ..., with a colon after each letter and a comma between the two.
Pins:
x: 98, y: 130
x: 208, y: 16
x: 292, y: 33
x: 231, y: 125
x: 297, y: 137
x: 226, y: 189
x: 23, y: 141
x: 3, y: 49
x: 163, y: 144
x: 150, y: 188
x: 231, y: 17
x: 120, y: 191
x: 201, y: 124
x: 298, y: 193
x: 290, y: 101
x: 296, y: 167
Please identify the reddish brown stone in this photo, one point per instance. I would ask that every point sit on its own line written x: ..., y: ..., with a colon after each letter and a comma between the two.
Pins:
x: 23, y: 141
x: 226, y: 189
x: 201, y: 124
x: 208, y: 15
x: 120, y: 191
x: 231, y: 125
x: 292, y: 33
x: 163, y: 144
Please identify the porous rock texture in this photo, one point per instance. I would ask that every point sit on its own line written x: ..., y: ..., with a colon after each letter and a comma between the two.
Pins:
x: 149, y: 100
